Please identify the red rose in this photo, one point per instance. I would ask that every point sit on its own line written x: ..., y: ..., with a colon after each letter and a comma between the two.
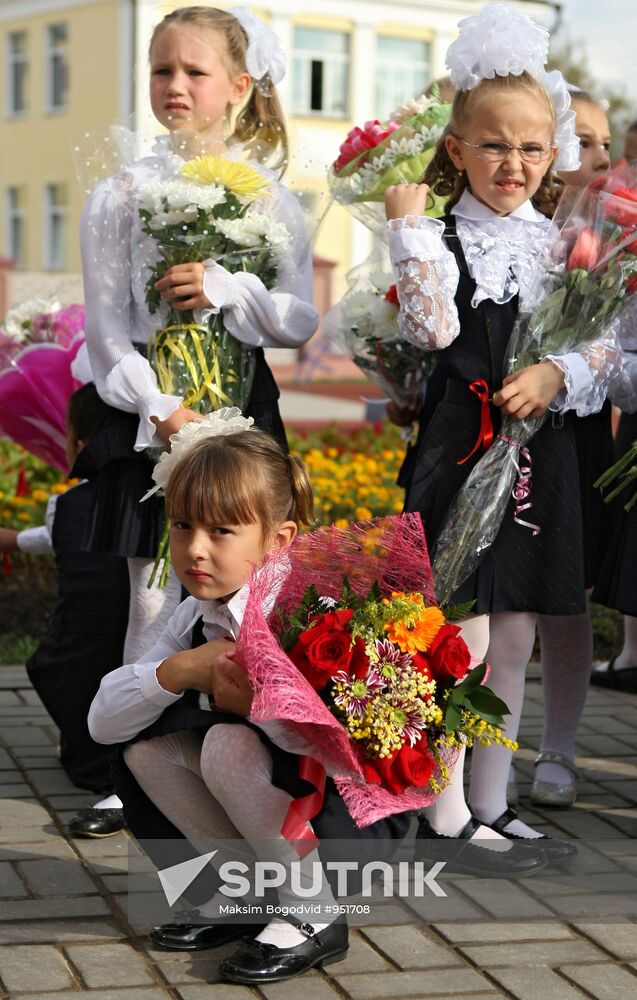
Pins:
x: 392, y: 295
x: 631, y: 284
x: 409, y: 766
x: 621, y: 207
x: 585, y: 252
x: 448, y: 655
x: 322, y: 650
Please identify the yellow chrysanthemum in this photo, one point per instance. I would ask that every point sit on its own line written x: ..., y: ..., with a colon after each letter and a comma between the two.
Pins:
x: 239, y: 178
x: 419, y: 637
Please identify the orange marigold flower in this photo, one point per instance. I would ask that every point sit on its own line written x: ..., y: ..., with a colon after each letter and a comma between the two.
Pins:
x: 419, y: 637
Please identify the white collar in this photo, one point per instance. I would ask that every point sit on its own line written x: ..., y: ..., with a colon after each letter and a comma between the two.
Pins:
x: 226, y: 614
x: 468, y: 207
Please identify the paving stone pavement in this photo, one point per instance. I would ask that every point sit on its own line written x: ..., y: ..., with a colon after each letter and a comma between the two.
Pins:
x: 559, y: 935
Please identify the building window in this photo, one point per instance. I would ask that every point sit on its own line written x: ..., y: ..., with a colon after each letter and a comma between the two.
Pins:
x: 17, y: 72
x: 320, y: 68
x: 55, y: 210
x: 15, y: 224
x: 57, y: 67
x: 402, y: 71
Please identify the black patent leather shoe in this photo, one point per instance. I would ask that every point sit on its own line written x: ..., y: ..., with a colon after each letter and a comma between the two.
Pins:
x: 464, y: 856
x: 254, y: 962
x: 555, y: 850
x: 94, y: 822
x: 198, y: 936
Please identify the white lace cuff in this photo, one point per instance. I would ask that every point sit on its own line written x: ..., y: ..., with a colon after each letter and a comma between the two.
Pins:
x: 154, y: 404
x: 220, y: 288
x: 415, y: 236
x: 36, y: 541
x: 578, y: 384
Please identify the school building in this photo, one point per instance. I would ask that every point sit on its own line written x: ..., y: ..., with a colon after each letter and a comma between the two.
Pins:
x: 73, y: 67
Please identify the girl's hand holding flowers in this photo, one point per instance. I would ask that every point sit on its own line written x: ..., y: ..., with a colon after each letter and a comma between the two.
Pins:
x: 231, y: 689
x: 529, y: 392
x: 405, y: 199
x: 182, y: 286
x: 192, y: 668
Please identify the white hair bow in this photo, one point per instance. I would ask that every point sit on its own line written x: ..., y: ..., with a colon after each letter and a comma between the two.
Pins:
x: 265, y: 58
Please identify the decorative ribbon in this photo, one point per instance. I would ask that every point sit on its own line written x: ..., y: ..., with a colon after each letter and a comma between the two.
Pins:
x: 522, y: 489
x: 295, y: 827
x: 187, y: 348
x: 485, y: 435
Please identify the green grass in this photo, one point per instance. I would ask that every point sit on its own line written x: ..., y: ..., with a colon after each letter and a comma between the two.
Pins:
x: 15, y: 647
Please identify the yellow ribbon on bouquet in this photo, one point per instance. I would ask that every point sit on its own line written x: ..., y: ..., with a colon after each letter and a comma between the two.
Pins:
x: 205, y: 374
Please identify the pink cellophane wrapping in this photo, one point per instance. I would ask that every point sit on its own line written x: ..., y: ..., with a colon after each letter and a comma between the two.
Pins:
x: 391, y: 551
x: 35, y: 388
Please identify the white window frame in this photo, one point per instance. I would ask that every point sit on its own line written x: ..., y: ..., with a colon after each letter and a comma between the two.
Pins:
x: 418, y: 68
x: 55, y: 228
x: 54, y: 51
x: 13, y: 61
x: 303, y: 97
x: 15, y: 221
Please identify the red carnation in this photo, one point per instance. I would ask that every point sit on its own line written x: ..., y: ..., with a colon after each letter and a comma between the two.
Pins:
x: 392, y: 295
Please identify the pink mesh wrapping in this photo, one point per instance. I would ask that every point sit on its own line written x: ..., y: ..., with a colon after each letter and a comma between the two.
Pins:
x: 391, y: 551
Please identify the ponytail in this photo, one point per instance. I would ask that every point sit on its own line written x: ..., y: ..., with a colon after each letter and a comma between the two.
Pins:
x: 302, y: 498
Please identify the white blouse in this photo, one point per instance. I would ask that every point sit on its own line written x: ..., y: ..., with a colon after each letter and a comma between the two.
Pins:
x: 131, y: 698
x: 117, y: 259
x: 503, y: 256
x: 38, y: 541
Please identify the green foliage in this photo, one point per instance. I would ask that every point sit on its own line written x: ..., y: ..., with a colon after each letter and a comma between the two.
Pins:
x: 472, y: 695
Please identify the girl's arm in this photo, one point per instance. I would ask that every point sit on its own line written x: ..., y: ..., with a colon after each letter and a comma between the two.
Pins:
x: 283, y: 317
x: 123, y: 377
x: 35, y: 541
x: 426, y: 271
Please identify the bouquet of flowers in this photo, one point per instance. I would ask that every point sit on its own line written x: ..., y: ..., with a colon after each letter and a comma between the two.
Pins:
x: 39, y: 340
x: 623, y: 473
x: 588, y: 276
x: 364, y: 324
x: 209, y: 211
x: 375, y: 681
x: 384, y: 153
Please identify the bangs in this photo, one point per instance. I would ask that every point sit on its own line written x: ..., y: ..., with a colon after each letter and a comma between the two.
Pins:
x: 211, y: 484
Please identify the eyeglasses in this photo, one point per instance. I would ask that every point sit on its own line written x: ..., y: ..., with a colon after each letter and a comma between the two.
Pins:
x: 494, y: 152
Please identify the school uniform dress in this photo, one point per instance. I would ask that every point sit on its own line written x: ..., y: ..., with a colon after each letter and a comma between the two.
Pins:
x: 84, y: 638
x: 131, y: 705
x: 117, y: 261
x: 482, y: 263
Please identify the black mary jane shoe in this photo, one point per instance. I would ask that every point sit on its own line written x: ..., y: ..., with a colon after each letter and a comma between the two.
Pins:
x: 622, y: 679
x: 555, y: 850
x: 193, y: 936
x: 94, y: 822
x: 464, y: 856
x: 254, y: 962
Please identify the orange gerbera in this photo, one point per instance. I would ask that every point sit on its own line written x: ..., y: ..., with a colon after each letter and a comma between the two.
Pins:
x: 419, y: 636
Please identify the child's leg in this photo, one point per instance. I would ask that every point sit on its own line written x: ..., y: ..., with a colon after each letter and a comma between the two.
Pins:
x: 628, y: 655
x: 566, y: 643
x: 149, y: 609
x: 510, y: 647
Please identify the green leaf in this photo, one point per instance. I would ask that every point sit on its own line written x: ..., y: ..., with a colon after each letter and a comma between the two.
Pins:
x: 452, y: 717
x: 483, y: 700
x: 456, y: 612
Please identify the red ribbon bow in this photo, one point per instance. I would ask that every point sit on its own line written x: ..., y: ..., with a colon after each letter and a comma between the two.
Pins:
x: 485, y: 435
x: 295, y: 827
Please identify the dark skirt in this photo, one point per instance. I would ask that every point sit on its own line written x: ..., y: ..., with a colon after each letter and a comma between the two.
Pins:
x: 616, y: 585
x: 541, y: 574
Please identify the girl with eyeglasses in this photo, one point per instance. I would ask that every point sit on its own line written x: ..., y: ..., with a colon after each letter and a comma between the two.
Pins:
x: 459, y: 282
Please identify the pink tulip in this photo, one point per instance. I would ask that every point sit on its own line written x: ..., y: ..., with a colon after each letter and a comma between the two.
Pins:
x: 360, y: 140
x: 585, y: 252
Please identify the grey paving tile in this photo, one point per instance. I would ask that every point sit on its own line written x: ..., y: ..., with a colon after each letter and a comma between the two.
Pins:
x: 58, y: 930
x: 34, y: 967
x: 604, y: 981
x: 47, y: 877
x: 109, y: 965
x: 411, y: 984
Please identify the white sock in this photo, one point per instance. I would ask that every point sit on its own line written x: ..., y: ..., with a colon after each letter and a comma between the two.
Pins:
x: 566, y: 643
x: 511, y: 642
x: 110, y: 802
x: 284, y: 935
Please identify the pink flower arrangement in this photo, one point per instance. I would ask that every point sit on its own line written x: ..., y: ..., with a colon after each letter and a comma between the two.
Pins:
x: 359, y: 141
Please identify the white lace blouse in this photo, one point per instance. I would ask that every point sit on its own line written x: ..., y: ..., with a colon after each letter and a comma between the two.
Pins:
x: 503, y: 254
x: 117, y: 257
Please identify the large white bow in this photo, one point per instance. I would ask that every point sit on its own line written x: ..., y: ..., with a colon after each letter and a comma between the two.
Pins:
x: 264, y: 55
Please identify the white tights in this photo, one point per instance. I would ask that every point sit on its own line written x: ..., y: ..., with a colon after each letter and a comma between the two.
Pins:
x: 221, y: 788
x: 149, y: 610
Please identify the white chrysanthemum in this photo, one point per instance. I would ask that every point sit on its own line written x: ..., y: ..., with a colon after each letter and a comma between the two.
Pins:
x: 157, y: 196
x: 382, y: 280
x: 358, y: 308
x: 385, y: 318
x: 414, y: 106
x: 255, y: 230
x: 17, y: 322
x: 161, y: 220
x: 227, y: 420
